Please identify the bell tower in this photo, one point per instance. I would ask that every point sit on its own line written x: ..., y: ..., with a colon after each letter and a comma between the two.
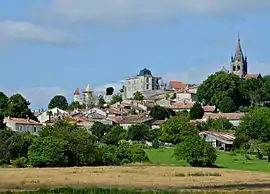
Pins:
x: 238, y: 61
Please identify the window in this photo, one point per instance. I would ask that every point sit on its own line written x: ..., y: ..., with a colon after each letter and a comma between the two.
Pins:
x: 35, y: 129
x: 238, y: 68
x: 147, y: 79
x: 21, y: 128
x: 147, y: 87
x: 234, y: 68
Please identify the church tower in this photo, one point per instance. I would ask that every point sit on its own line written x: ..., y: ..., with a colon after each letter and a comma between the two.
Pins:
x: 238, y: 61
x: 88, y: 97
x: 77, y: 96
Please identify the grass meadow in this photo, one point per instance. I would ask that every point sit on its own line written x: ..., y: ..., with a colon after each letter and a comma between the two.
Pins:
x: 228, y: 160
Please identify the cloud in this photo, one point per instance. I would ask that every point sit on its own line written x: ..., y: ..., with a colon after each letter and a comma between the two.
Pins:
x: 130, y: 11
x: 198, y: 75
x: 39, y: 96
x: 26, y: 31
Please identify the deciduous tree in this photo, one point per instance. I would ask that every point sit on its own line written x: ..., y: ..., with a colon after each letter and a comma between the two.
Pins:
x: 109, y: 91
x: 196, y: 111
x: 58, y: 101
x: 138, y: 96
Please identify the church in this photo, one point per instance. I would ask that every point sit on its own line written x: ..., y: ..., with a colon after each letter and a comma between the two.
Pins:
x: 239, y: 64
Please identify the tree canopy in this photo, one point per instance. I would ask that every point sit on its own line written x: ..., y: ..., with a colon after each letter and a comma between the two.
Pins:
x: 109, y: 91
x: 116, y: 98
x: 138, y: 96
x: 58, y: 101
x: 159, y: 112
x: 196, y: 111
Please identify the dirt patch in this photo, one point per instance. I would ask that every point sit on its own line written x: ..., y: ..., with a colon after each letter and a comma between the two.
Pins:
x: 130, y: 176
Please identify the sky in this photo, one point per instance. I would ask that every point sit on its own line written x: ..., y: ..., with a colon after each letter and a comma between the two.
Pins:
x: 51, y: 47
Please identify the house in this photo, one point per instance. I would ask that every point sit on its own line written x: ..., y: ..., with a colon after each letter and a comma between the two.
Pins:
x: 163, y: 102
x: 234, y: 118
x: 185, y: 96
x: 253, y: 76
x: 23, y: 125
x: 50, y: 113
x: 220, y: 140
x: 176, y: 85
x: 83, y: 122
x: 156, y: 124
x: 129, y: 120
x: 179, y: 107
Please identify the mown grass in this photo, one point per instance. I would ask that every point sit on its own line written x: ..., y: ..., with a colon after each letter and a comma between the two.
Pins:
x: 124, y: 191
x: 164, y: 156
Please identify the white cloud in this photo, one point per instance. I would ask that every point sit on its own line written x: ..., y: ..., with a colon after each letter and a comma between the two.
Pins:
x: 197, y: 75
x: 26, y: 31
x: 39, y: 96
x: 130, y: 11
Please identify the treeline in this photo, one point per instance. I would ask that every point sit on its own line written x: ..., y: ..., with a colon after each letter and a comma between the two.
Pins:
x: 64, y: 144
x: 230, y: 93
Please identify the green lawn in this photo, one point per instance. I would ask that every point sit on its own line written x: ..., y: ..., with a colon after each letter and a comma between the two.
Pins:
x: 224, y: 160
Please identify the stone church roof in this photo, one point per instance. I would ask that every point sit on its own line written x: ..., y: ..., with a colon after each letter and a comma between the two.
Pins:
x: 239, y: 56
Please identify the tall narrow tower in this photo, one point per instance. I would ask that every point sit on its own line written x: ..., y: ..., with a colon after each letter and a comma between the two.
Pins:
x: 77, y: 96
x: 88, y: 97
x: 238, y: 61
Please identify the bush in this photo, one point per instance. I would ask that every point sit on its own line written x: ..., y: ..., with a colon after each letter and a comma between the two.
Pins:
x: 20, y: 162
x: 155, y: 144
x: 196, y: 152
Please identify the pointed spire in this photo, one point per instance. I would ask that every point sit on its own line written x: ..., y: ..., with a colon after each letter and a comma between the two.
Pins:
x: 239, y: 53
x: 88, y: 88
x: 77, y: 92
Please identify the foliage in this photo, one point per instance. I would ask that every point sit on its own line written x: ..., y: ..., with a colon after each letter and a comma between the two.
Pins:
x: 58, y: 101
x: 196, y: 111
x: 155, y: 144
x: 80, y: 149
x: 217, y: 86
x: 20, y: 162
x: 3, y: 103
x: 138, y: 96
x: 251, y: 91
x: 220, y: 124
x: 2, y: 124
x: 116, y: 98
x: 255, y: 125
x: 139, y: 132
x: 115, y: 134
x: 99, y: 129
x: 101, y: 101
x: 176, y: 128
x: 159, y: 112
x: 226, y: 104
x: 109, y: 91
x: 75, y: 105
x: 17, y: 107
x: 48, y: 151
x: 173, y: 96
x: 196, y: 151
x: 265, y: 149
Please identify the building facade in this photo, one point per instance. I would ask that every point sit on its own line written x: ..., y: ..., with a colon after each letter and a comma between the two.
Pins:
x: 23, y: 125
x: 144, y: 82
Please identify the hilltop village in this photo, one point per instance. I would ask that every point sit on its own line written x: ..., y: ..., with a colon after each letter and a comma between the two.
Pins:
x: 227, y: 111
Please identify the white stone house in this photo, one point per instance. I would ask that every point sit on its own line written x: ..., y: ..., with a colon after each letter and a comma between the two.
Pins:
x: 44, y: 116
x: 23, y: 125
x: 234, y: 118
x: 219, y: 140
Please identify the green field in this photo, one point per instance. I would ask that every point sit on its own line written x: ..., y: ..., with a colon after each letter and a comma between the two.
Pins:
x: 164, y: 156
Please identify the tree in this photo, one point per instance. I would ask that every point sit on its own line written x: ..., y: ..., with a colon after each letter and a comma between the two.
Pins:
x: 196, y: 111
x: 252, y: 91
x: 195, y: 151
x: 2, y: 124
x: 265, y: 148
x: 226, y: 105
x: 99, y: 129
x: 58, y: 102
x: 159, y: 112
x: 255, y: 125
x: 3, y: 103
x: 116, y: 98
x: 18, y: 107
x: 101, y: 101
x: 109, y: 91
x: 139, y: 132
x: 218, y: 85
x: 116, y: 134
x: 265, y: 89
x: 175, y: 129
x: 75, y: 105
x: 138, y: 96
x: 48, y: 152
x: 220, y: 124
x: 173, y: 96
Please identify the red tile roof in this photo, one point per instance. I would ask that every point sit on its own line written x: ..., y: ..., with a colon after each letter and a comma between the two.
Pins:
x: 77, y: 92
x: 181, y: 106
x: 209, y: 108
x: 178, y: 85
x: 24, y: 121
x: 225, y: 136
x: 229, y: 116
x: 252, y: 76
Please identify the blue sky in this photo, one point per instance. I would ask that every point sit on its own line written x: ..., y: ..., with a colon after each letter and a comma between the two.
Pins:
x: 50, y: 47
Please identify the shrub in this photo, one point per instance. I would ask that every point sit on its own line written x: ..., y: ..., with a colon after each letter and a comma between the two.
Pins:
x: 196, y: 151
x: 20, y: 162
x: 155, y: 144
